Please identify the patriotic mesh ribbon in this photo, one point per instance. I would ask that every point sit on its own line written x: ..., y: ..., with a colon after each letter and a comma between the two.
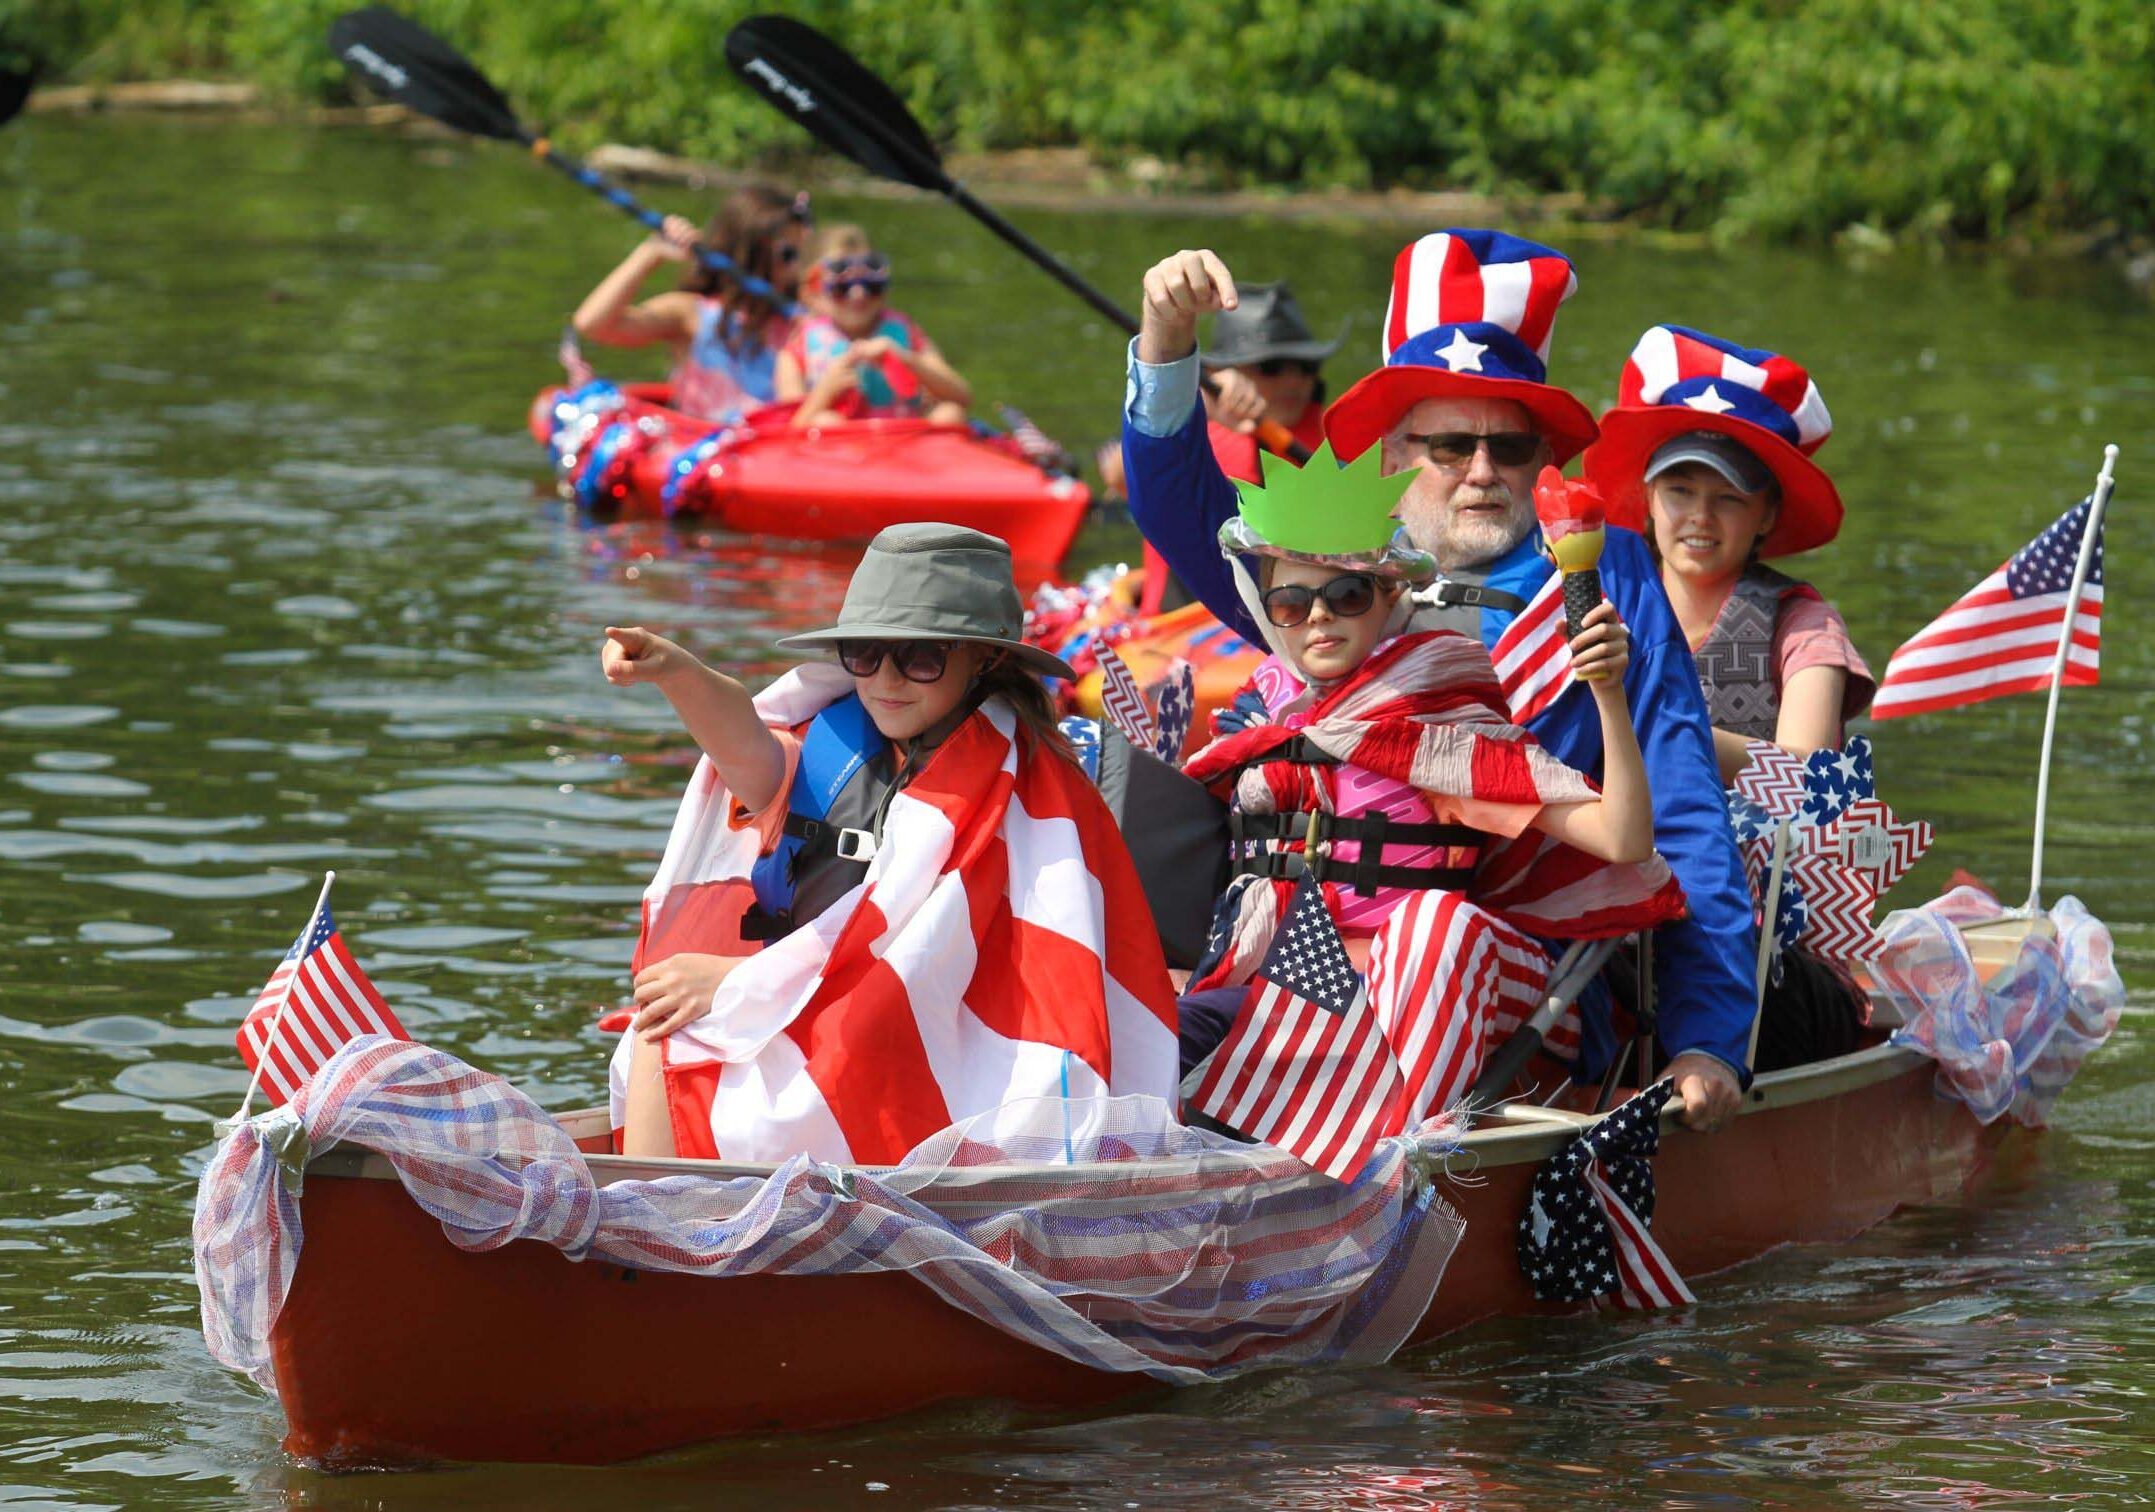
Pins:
x: 2009, y: 1044
x: 1588, y: 1227
x: 1181, y: 1255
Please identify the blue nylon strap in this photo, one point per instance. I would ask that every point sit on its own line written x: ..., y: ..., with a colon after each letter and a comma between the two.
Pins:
x: 833, y: 748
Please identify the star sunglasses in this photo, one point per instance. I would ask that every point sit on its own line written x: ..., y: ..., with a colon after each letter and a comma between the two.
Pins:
x: 1348, y: 596
x: 921, y: 661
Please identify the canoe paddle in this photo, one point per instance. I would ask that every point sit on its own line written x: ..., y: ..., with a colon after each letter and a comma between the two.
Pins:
x: 410, y: 65
x: 834, y: 98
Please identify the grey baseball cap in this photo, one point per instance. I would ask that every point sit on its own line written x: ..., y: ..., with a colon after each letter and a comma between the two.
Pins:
x: 1726, y: 455
x: 925, y: 581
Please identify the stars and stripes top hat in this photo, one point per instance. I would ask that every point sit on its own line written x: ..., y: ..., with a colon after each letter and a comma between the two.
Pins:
x: 1470, y: 317
x: 1677, y: 381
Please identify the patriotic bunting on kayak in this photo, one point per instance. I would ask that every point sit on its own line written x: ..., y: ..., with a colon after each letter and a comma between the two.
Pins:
x: 1587, y: 1230
x: 1533, y: 656
x: 331, y: 1001
x: 2002, y: 635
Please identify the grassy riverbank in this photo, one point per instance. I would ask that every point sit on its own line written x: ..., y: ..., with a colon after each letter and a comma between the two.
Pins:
x: 1959, y: 118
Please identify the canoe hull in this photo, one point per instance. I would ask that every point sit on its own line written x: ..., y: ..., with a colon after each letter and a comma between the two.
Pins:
x: 395, y: 1347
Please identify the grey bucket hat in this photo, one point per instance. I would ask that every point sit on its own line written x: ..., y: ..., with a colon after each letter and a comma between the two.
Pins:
x: 925, y: 581
x: 1266, y: 323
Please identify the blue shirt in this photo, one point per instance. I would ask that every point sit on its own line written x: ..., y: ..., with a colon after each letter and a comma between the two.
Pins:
x: 1704, y: 964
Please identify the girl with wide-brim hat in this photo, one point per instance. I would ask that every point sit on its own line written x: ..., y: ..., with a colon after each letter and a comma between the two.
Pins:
x: 948, y: 917
x: 1709, y: 451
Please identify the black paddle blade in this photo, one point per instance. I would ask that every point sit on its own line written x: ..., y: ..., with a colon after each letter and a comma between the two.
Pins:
x: 839, y: 102
x: 418, y: 70
x: 14, y: 90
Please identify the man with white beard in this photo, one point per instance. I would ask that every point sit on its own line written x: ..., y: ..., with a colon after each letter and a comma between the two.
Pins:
x: 1463, y: 399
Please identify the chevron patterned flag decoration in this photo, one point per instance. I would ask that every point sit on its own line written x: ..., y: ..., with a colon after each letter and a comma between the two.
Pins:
x: 1588, y: 1228
x: 1870, y: 837
x: 1772, y: 779
x: 1838, y: 903
x: 1174, y: 706
x: 1121, y: 702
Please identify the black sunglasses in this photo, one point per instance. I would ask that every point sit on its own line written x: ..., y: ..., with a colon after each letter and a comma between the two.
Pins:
x: 1457, y: 448
x: 920, y: 661
x: 1272, y: 367
x: 1348, y: 596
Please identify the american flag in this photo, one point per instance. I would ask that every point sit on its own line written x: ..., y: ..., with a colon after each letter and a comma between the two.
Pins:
x: 1587, y: 1230
x: 2002, y: 635
x: 1533, y: 655
x: 1122, y: 703
x: 1306, y: 1068
x: 331, y: 1001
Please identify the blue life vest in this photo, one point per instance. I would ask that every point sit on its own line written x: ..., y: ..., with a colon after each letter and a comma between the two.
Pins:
x: 835, y: 746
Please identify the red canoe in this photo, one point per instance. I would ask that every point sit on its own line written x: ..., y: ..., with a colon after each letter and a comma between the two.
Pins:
x: 396, y: 1347
x: 622, y: 450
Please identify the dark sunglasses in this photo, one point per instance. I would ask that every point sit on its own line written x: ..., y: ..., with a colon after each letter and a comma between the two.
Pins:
x: 1457, y: 448
x: 1348, y: 596
x: 842, y: 275
x: 916, y: 661
x: 1272, y: 367
x: 785, y: 254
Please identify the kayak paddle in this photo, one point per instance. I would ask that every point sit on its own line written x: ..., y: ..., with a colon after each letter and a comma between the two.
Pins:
x: 409, y: 64
x: 834, y: 97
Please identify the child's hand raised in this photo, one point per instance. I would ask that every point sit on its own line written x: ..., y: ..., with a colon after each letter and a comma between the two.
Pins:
x: 1601, y: 651
x: 676, y: 240
x: 634, y: 655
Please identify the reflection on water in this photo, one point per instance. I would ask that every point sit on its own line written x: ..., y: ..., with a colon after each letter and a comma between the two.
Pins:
x: 280, y: 590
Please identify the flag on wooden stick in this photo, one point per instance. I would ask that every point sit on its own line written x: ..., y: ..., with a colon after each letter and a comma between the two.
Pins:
x: 315, y: 1001
x: 2002, y: 635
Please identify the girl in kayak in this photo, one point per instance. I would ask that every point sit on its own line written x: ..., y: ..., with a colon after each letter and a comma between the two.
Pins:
x: 725, y: 340
x: 1389, y: 771
x: 1709, y: 453
x: 854, y: 357
x: 948, y: 917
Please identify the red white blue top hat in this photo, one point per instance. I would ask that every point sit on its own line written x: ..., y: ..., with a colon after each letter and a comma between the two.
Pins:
x: 1678, y: 381
x: 1470, y: 317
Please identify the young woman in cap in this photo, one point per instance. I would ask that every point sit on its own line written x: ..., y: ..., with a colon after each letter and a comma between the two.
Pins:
x: 1709, y: 452
x: 725, y: 340
x: 1389, y: 771
x: 948, y: 916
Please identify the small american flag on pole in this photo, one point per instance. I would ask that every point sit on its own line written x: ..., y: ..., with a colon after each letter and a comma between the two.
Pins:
x: 2002, y: 635
x: 1122, y: 703
x: 1533, y: 655
x: 314, y: 1002
x: 1306, y: 1068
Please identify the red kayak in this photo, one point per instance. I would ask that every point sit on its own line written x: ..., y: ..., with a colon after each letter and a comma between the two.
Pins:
x: 619, y: 449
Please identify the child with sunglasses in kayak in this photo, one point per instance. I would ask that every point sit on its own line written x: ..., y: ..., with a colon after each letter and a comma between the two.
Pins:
x: 853, y: 356
x: 1387, y: 767
x: 947, y: 914
x: 725, y: 339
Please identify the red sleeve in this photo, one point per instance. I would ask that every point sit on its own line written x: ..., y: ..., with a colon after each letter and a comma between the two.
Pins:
x: 1811, y: 633
x: 1236, y: 453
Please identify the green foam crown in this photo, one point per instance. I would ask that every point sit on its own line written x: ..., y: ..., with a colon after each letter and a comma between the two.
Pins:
x: 1322, y: 507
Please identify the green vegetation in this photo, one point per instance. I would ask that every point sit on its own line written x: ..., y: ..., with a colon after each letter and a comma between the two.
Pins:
x: 1785, y: 118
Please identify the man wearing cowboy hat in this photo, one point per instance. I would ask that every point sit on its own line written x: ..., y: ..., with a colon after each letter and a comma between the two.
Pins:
x: 1464, y: 400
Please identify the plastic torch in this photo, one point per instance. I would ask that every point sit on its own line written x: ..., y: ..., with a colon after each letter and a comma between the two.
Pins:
x: 1571, y: 514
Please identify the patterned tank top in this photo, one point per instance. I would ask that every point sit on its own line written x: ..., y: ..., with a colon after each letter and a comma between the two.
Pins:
x: 719, y: 378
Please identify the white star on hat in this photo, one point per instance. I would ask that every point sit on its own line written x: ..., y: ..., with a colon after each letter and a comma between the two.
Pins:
x: 1710, y: 401
x: 1462, y: 355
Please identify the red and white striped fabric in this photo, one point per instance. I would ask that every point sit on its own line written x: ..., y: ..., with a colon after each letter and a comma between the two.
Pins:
x: 1672, y: 357
x: 1477, y: 278
x: 1425, y: 710
x: 1000, y: 947
x: 1533, y: 654
x: 1648, y: 1279
x: 2002, y: 635
x: 1447, y: 982
x: 331, y: 1002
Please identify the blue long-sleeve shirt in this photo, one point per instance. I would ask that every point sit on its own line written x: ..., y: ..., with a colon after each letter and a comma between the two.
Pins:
x: 1703, y: 964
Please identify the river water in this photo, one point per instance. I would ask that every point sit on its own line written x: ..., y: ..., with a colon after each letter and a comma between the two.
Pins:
x: 282, y: 588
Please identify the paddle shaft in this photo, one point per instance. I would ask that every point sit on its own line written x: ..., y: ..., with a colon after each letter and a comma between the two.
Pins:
x: 636, y: 210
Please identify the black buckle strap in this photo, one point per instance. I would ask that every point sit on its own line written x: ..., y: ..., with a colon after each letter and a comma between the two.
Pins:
x: 1364, y: 829
x: 1289, y: 866
x: 1447, y: 594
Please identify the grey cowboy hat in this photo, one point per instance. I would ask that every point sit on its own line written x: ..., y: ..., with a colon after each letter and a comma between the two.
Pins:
x: 1266, y: 323
x: 930, y: 582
